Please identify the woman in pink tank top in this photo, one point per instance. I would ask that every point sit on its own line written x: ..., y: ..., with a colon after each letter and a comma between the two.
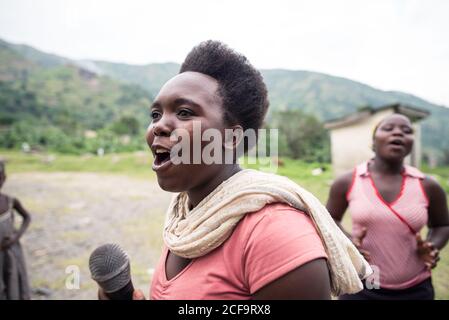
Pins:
x: 390, y: 203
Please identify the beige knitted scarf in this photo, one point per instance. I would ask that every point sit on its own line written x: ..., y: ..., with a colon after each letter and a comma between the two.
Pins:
x: 194, y: 233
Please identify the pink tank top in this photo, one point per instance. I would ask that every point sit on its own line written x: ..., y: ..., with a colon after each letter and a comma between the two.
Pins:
x: 391, y: 227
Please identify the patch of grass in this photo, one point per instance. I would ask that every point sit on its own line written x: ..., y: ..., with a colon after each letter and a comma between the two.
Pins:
x: 136, y: 164
x: 441, y: 174
x: 300, y: 172
x: 440, y: 276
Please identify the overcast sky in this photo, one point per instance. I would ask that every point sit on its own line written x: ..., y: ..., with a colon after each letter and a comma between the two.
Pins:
x: 389, y: 44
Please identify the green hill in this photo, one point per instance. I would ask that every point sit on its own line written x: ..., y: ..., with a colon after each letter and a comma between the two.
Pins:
x: 327, y: 97
x: 53, y: 102
x: 151, y: 77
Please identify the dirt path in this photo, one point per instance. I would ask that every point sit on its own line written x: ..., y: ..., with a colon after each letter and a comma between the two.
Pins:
x: 73, y: 213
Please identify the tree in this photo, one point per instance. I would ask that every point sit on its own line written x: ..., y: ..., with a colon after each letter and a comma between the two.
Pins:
x: 126, y: 125
x: 301, y: 136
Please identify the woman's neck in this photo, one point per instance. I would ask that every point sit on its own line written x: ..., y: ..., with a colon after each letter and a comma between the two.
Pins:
x: 199, y: 193
x: 385, y: 167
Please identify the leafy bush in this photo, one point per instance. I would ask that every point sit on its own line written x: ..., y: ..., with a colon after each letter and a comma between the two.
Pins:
x: 301, y: 136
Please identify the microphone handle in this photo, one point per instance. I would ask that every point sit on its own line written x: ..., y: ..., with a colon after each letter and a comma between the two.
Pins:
x: 125, y: 293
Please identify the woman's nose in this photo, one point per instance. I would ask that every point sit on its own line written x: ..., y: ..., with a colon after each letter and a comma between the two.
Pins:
x: 398, y: 131
x: 163, y: 127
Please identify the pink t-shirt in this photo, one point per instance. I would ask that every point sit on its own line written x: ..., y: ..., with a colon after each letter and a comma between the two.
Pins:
x: 391, y: 227
x: 264, y: 246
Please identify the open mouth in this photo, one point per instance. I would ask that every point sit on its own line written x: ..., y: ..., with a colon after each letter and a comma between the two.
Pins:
x: 397, y: 142
x: 161, y: 157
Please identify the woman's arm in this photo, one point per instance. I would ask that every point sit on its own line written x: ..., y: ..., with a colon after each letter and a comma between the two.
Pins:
x: 26, y: 219
x: 9, y: 241
x: 309, y: 281
x: 337, y: 202
x: 438, y: 223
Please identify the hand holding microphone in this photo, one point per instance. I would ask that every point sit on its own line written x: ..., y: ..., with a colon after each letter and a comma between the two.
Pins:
x: 137, y: 295
x: 110, y: 268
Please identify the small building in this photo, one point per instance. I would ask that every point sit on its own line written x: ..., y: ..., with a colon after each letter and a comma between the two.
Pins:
x: 351, y: 136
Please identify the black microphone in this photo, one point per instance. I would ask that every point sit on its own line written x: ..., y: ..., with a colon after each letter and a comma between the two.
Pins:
x: 110, y: 268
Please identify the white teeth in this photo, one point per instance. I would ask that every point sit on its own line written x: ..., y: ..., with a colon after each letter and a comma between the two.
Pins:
x: 161, y: 150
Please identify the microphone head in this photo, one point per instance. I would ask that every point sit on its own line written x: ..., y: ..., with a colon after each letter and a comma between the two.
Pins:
x: 109, y: 267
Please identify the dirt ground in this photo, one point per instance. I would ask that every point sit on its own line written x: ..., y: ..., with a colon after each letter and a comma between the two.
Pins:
x: 73, y: 213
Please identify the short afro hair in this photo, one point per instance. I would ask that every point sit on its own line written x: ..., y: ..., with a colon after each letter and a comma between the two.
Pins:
x: 240, y: 85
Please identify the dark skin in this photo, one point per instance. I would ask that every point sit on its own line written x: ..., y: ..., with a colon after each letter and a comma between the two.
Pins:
x: 17, y: 206
x: 386, y: 172
x: 198, y: 94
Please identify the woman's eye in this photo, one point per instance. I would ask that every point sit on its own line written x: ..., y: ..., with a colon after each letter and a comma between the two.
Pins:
x: 155, y: 115
x: 407, y: 130
x: 185, y: 113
